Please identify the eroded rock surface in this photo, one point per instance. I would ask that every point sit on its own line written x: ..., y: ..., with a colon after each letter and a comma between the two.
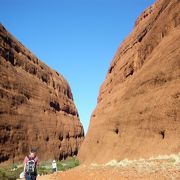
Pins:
x: 138, y: 110
x: 36, y: 106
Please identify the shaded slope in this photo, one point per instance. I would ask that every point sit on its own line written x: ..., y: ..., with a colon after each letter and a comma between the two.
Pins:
x: 36, y: 106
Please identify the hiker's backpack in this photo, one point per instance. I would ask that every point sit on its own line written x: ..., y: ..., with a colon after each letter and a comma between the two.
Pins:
x: 31, y: 166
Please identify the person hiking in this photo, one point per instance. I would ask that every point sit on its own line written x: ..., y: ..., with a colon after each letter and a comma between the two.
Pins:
x: 30, y: 165
x: 54, y: 166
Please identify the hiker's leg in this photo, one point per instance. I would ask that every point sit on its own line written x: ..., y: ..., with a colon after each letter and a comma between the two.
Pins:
x: 53, y: 170
x: 28, y: 177
x: 33, y: 177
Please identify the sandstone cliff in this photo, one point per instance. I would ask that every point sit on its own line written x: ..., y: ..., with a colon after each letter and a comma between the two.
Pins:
x: 138, y: 110
x: 36, y: 106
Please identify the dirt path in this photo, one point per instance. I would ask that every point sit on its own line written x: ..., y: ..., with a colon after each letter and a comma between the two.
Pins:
x: 151, y: 169
x: 111, y: 173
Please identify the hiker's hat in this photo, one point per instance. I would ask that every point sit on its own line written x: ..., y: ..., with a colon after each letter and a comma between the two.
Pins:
x: 33, y: 150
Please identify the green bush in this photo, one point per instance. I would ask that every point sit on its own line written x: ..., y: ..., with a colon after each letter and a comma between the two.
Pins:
x: 14, y: 166
x: 13, y: 171
x: 71, y: 163
x: 6, y: 173
x: 43, y: 170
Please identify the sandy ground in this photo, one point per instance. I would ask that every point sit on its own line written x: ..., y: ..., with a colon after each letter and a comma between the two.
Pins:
x: 111, y: 174
x: 151, y: 169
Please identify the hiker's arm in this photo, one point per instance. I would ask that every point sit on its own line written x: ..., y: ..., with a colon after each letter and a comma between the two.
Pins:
x: 25, y: 162
x: 24, y: 167
x: 37, y: 162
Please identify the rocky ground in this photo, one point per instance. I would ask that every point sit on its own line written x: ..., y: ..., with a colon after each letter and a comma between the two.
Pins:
x: 160, y: 168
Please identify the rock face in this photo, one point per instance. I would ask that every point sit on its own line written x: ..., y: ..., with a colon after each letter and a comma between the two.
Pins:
x: 138, y: 110
x: 36, y: 106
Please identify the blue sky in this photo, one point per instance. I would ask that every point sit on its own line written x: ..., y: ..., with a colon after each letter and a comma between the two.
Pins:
x: 77, y: 38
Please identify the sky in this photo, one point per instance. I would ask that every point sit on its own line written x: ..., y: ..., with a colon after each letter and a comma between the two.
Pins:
x: 77, y: 38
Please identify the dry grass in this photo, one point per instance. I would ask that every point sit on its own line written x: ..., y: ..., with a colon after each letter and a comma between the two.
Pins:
x: 172, y: 160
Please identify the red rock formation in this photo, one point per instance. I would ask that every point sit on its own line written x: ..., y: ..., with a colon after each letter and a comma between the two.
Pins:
x: 138, y: 110
x: 36, y: 106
